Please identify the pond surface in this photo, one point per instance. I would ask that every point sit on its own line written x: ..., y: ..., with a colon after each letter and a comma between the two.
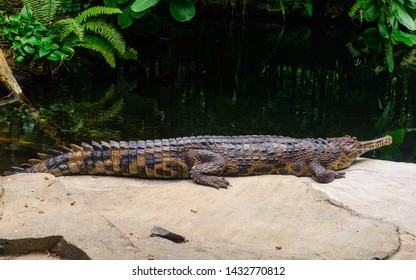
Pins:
x: 220, y: 79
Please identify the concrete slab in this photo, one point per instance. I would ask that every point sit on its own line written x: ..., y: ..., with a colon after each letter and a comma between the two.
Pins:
x: 261, y: 217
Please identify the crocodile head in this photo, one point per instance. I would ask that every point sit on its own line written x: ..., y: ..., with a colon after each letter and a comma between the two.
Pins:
x: 352, y: 149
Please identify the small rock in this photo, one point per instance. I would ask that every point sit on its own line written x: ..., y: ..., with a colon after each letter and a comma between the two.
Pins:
x: 164, y: 233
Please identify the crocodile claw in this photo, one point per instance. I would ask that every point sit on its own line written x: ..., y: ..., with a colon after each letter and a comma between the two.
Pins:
x: 340, y: 175
x: 212, y: 181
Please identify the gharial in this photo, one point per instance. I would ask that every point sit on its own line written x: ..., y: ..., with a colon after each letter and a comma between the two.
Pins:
x: 206, y: 159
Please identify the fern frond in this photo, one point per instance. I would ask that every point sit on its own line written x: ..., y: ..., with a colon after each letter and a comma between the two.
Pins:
x: 97, y: 44
x: 96, y: 11
x: 43, y: 11
x: 130, y: 54
x: 108, y: 32
x: 65, y: 27
x: 354, y: 10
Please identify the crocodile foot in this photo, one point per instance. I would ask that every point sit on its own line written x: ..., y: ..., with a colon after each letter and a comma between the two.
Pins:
x: 322, y: 175
x: 211, y: 181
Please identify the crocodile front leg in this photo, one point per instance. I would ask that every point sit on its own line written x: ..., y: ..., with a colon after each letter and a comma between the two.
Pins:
x: 322, y: 175
x: 207, y: 166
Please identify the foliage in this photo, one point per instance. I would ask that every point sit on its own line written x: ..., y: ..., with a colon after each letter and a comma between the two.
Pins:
x: 43, y: 11
x: 75, y: 6
x: 31, y: 40
x: 181, y: 10
x: 395, y: 21
x: 40, y: 31
x: 305, y: 5
x: 9, y: 115
x: 89, y: 31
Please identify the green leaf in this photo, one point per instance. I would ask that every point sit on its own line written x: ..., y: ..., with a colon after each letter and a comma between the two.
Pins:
x: 124, y: 20
x: 40, y: 28
x: 29, y: 49
x: 50, y: 47
x: 24, y: 40
x: 28, y: 30
x: 43, y: 52
x: 411, y: 4
x: 37, y: 35
x: 62, y: 56
x: 309, y: 9
x: 404, y: 37
x: 20, y: 58
x: 182, y: 10
x: 141, y: 5
x: 403, y: 17
x: 383, y: 30
x: 128, y: 16
x: 15, y: 18
x: 34, y: 41
x: 68, y: 49
x: 389, y: 57
x: 21, y: 50
x: 53, y: 57
x: 47, y: 40
x: 371, y: 11
x: 372, y: 38
x: 26, y: 12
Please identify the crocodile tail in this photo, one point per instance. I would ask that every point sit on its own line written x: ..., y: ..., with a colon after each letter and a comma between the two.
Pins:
x: 31, y: 166
x: 149, y: 159
x: 67, y: 161
x: 20, y: 169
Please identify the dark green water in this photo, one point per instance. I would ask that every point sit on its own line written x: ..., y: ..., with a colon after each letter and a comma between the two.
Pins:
x: 222, y: 79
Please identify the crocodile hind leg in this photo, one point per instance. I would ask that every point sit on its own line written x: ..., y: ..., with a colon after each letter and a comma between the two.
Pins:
x: 322, y: 175
x: 207, y: 166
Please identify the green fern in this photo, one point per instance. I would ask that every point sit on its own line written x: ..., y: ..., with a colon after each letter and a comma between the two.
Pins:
x: 65, y: 27
x: 130, y: 54
x: 86, y: 30
x: 108, y: 32
x: 97, y: 44
x: 44, y: 11
x: 96, y: 11
x: 355, y: 10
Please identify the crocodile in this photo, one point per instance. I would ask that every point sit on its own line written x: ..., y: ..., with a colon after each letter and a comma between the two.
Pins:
x: 206, y: 159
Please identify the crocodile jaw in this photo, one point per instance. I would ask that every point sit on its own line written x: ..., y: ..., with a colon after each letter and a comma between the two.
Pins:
x: 361, y: 147
x: 352, y: 149
x: 365, y: 146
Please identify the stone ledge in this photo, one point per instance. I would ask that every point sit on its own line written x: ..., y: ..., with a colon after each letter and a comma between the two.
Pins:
x: 260, y: 217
